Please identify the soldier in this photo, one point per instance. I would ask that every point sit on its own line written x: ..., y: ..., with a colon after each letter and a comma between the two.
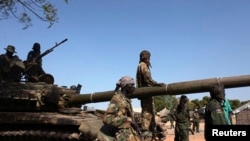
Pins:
x: 144, y: 79
x: 119, y: 117
x: 196, y: 121
x: 35, y: 65
x: 11, y: 66
x: 214, y: 114
x: 182, y: 122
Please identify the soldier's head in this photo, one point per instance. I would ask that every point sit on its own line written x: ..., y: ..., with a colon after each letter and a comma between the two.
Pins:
x: 127, y: 85
x: 36, y: 47
x: 183, y: 100
x: 10, y: 50
x: 217, y: 91
x: 145, y: 57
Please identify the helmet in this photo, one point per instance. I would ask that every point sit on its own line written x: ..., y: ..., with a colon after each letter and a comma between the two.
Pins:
x: 36, y: 46
x: 144, y: 55
x: 217, y: 91
x: 124, y: 81
x: 10, y: 48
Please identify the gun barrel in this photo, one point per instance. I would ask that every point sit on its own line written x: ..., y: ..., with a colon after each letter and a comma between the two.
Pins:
x: 64, y: 40
x: 187, y: 87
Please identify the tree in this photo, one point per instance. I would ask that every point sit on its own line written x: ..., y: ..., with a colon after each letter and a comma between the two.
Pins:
x: 235, y: 103
x: 196, y: 104
x: 167, y: 101
x: 22, y: 9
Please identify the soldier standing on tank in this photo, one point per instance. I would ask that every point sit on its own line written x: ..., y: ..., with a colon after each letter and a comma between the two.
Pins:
x: 182, y: 122
x: 35, y: 65
x: 8, y: 61
x: 119, y: 116
x: 214, y: 114
x: 144, y: 79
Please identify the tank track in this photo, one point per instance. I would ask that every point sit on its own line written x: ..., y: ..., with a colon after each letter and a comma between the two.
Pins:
x: 41, y: 133
x: 30, y: 135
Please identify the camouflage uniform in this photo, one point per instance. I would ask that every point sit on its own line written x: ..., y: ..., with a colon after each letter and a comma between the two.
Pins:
x: 144, y: 79
x: 161, y: 125
x: 119, y: 118
x: 118, y: 115
x: 182, y: 122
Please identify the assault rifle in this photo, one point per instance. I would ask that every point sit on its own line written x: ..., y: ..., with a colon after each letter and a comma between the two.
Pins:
x: 30, y: 64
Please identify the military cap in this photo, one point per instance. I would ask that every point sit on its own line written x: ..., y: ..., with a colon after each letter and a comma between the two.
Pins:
x: 10, y: 48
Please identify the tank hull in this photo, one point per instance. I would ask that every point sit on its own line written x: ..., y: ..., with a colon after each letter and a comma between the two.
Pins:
x: 41, y: 111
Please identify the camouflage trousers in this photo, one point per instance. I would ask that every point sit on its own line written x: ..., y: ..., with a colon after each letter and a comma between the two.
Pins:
x: 127, y: 134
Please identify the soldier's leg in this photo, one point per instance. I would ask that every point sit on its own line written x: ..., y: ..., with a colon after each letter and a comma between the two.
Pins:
x: 194, y: 126
x: 146, y: 120
x: 198, y: 127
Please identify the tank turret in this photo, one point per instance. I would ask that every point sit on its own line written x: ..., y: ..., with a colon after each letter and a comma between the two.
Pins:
x: 42, y: 111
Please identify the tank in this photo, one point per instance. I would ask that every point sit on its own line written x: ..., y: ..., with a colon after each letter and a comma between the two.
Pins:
x: 42, y: 111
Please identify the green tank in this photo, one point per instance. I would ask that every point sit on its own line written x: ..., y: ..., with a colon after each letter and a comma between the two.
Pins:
x: 42, y: 111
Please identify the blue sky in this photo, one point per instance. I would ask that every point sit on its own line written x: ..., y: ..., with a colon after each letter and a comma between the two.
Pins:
x: 188, y: 40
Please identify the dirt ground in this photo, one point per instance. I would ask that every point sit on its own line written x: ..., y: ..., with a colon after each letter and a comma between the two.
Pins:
x: 196, y: 137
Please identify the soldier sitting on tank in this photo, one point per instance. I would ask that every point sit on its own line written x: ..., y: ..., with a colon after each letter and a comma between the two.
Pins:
x: 119, y: 122
x: 11, y: 66
x: 33, y: 64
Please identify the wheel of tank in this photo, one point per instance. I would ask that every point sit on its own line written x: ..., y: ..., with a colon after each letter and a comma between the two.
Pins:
x: 47, y: 78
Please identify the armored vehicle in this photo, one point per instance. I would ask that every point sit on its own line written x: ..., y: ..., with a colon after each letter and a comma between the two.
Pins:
x: 42, y: 111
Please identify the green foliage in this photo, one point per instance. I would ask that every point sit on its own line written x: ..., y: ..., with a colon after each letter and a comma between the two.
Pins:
x: 196, y: 104
x: 167, y: 101
x: 22, y: 10
x: 170, y: 101
x: 235, y: 103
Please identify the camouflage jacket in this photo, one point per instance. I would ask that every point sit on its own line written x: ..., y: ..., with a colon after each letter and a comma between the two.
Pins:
x: 119, y: 112
x: 143, y: 76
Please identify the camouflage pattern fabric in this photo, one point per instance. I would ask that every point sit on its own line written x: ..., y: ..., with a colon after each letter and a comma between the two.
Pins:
x: 161, y: 124
x: 144, y: 79
x: 119, y: 116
